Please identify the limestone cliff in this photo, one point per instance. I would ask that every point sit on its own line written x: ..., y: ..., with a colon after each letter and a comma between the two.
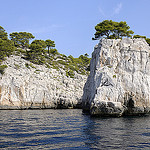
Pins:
x: 34, y: 86
x: 119, y: 80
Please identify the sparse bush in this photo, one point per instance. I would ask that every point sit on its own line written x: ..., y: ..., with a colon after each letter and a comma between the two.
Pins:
x: 114, y: 76
x: 2, y: 69
x: 27, y: 65
x: 109, y: 66
x: 17, y: 66
x: 62, y: 62
x: 70, y: 74
x: 47, y: 65
x: 31, y: 65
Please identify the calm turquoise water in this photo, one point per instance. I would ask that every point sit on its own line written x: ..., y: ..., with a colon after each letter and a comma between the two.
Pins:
x: 71, y: 129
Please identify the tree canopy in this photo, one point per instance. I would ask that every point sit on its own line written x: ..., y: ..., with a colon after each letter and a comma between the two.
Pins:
x: 49, y: 44
x: 36, y: 52
x: 21, y: 39
x: 6, y: 46
x: 112, y: 30
x: 38, y: 44
x: 3, y: 34
x: 6, y: 49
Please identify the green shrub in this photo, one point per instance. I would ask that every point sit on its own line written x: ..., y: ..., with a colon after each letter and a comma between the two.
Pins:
x: 70, y: 74
x: 114, y: 76
x: 62, y: 62
x: 83, y: 72
x: 17, y: 66
x: 71, y: 58
x: 47, y: 66
x: 38, y: 70
x: 6, y: 49
x: 19, y: 51
x: 31, y: 65
x: 2, y: 69
x: 109, y: 66
x: 55, y: 67
x: 53, y: 51
x: 73, y: 67
x: 27, y: 65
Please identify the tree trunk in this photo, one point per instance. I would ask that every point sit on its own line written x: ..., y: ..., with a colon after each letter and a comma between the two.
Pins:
x: 48, y: 49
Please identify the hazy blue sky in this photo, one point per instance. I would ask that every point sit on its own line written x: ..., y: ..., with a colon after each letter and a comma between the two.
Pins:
x: 70, y: 23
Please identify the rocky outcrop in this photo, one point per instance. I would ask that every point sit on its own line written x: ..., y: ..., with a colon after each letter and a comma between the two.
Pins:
x: 119, y: 80
x: 25, y: 85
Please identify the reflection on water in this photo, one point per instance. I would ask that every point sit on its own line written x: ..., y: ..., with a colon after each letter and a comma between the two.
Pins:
x: 71, y: 129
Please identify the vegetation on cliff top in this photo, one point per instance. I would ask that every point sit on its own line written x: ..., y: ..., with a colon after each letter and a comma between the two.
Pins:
x: 139, y: 36
x: 44, y: 53
x: 40, y: 52
x: 115, y: 30
x: 112, y: 30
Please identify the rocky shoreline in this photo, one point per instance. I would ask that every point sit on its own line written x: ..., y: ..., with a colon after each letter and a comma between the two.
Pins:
x: 118, y: 84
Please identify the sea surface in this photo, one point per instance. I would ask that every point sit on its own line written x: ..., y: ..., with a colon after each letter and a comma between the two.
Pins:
x: 70, y: 129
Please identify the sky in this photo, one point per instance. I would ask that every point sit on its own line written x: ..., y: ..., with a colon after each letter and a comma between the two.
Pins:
x: 71, y: 23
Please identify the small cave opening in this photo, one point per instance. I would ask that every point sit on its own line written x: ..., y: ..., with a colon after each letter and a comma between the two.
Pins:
x: 130, y: 103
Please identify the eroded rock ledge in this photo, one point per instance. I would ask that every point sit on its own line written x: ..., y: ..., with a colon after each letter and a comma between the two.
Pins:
x: 35, y: 86
x: 119, y: 80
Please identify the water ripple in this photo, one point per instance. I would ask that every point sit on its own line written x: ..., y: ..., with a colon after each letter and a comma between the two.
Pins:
x: 71, y: 129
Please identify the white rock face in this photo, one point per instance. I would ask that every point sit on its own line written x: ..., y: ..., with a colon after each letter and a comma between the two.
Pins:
x: 119, y: 81
x: 39, y: 87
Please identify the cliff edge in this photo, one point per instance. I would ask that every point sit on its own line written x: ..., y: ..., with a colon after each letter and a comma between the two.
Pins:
x: 119, y: 80
x: 26, y: 85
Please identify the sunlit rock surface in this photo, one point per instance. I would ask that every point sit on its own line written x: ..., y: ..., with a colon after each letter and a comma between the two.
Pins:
x: 23, y: 87
x: 119, y: 80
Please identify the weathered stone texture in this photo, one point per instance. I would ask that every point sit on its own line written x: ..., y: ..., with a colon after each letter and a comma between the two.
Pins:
x: 39, y: 87
x: 119, y: 81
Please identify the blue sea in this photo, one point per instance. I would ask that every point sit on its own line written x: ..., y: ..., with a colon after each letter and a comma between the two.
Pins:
x: 70, y: 129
